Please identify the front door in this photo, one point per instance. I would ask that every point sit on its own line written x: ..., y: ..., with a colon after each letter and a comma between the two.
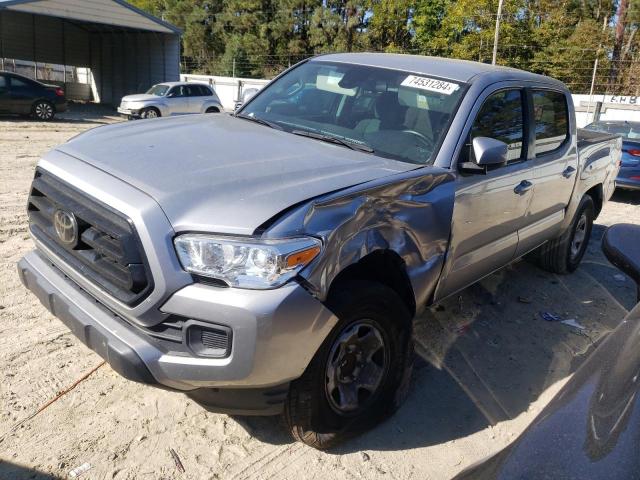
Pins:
x: 22, y: 93
x: 178, y: 100
x: 490, y: 206
x: 4, y: 94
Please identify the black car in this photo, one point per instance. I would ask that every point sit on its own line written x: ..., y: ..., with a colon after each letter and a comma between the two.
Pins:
x: 23, y: 96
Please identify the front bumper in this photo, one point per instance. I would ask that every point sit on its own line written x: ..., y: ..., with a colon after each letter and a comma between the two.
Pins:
x: 129, y: 112
x: 275, y: 335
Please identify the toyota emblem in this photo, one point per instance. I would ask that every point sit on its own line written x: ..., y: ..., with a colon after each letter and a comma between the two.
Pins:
x: 66, y: 227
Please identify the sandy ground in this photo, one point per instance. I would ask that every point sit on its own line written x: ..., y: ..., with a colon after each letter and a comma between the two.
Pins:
x: 488, y: 364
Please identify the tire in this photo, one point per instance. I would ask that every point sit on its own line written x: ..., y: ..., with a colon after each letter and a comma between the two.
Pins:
x: 564, y: 254
x: 150, y: 112
x: 43, y: 111
x: 315, y: 411
x: 212, y: 110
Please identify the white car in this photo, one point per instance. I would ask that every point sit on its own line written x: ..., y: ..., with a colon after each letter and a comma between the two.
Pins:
x: 171, y: 98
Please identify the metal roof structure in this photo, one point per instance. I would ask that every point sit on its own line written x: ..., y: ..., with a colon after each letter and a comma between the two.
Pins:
x: 116, y: 13
x: 124, y: 49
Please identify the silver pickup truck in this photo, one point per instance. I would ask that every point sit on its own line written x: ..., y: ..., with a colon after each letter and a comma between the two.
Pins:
x: 271, y: 261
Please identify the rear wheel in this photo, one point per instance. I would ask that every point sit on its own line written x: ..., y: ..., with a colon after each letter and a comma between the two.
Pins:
x: 43, y: 111
x: 564, y: 254
x: 150, y: 112
x: 212, y: 110
x: 361, y: 372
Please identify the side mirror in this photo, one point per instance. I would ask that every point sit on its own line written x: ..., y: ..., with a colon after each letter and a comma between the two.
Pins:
x: 489, y: 151
x: 620, y: 246
x: 170, y: 94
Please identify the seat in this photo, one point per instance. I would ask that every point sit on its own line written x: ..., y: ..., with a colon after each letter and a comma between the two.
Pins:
x: 390, y: 115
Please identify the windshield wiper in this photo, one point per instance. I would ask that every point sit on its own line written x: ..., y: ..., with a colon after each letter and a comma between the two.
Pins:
x: 361, y: 147
x: 261, y: 121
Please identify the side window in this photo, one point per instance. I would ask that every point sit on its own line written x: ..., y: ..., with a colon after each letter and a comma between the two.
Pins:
x: 552, y: 120
x: 18, y: 83
x: 204, y: 91
x: 502, y: 118
x: 193, y: 90
x: 3, y: 82
x: 179, y: 91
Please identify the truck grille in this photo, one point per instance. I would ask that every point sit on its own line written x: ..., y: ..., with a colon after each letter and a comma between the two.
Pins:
x: 105, y: 250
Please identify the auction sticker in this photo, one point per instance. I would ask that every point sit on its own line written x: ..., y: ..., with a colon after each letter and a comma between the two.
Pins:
x: 430, y: 84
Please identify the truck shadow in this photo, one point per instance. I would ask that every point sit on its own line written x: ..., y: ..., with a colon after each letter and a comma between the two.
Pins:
x: 630, y: 197
x: 13, y: 471
x: 487, y: 354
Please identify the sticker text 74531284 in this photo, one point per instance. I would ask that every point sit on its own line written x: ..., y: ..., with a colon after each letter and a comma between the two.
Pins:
x: 430, y: 84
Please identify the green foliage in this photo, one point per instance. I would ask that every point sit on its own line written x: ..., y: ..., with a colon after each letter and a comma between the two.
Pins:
x: 561, y: 38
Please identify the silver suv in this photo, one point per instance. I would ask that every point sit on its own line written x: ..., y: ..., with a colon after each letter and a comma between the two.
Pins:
x: 171, y: 98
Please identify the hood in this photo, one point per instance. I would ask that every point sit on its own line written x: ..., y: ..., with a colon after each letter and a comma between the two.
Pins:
x: 140, y: 97
x: 221, y: 174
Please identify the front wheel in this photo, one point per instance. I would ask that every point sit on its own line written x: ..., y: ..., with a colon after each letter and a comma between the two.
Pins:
x: 150, y: 112
x: 43, y: 111
x: 360, y: 373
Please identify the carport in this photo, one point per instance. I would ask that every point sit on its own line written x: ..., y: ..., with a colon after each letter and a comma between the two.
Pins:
x: 127, y: 50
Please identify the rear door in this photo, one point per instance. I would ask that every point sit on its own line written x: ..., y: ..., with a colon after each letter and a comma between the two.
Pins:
x: 4, y: 94
x: 490, y: 205
x: 555, y: 160
x: 178, y: 100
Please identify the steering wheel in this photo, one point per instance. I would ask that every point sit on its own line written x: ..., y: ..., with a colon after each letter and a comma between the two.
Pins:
x: 426, y: 141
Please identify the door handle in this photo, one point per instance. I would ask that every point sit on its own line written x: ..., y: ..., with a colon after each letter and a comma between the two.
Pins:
x: 568, y: 172
x: 523, y: 187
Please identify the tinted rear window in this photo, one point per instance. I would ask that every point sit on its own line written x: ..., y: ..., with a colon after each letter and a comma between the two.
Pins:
x: 552, y: 120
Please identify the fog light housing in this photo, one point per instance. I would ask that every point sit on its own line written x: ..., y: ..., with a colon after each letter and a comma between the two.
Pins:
x: 208, y: 340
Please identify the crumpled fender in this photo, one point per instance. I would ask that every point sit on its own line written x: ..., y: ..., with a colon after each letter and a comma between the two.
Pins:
x: 408, y: 213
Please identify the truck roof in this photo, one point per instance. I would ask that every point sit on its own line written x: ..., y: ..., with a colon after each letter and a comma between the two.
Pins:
x: 454, y: 69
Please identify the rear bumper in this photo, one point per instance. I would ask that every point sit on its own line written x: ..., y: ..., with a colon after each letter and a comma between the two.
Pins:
x: 624, y: 179
x: 275, y: 335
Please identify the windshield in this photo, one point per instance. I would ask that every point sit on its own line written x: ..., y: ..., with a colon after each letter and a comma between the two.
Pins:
x: 158, y: 90
x: 627, y: 130
x: 397, y: 114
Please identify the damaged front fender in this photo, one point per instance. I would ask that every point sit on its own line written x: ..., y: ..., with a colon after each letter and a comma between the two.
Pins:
x: 409, y: 214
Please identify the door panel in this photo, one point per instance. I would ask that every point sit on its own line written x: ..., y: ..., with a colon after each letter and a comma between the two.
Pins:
x: 22, y: 95
x: 4, y: 94
x: 490, y: 207
x: 195, y: 98
x: 556, y: 164
x: 178, y: 104
x: 486, y: 218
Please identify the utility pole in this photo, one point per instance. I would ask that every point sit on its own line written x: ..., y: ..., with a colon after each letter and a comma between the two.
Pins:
x: 497, y: 34
x: 595, y: 68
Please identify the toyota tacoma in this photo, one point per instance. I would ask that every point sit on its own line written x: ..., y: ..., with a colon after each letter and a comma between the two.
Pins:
x: 272, y: 260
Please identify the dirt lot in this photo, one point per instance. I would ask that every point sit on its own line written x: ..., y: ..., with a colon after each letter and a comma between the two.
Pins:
x: 488, y: 363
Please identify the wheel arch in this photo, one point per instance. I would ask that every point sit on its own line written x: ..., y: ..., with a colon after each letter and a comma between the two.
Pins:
x: 394, y: 230
x: 597, y: 195
x: 383, y: 266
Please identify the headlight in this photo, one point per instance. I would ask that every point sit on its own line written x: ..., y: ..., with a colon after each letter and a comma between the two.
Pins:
x: 246, y: 263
